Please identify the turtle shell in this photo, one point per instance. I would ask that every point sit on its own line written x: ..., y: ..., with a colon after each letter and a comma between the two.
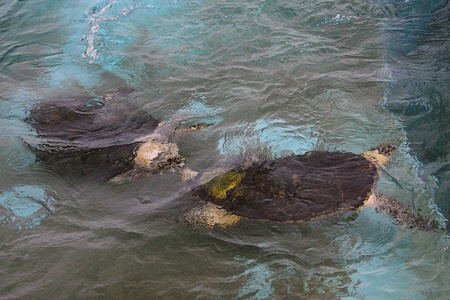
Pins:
x: 88, y: 124
x: 89, y: 135
x: 294, y: 188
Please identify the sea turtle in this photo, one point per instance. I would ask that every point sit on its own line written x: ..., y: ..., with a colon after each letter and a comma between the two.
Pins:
x: 105, y: 137
x: 296, y: 188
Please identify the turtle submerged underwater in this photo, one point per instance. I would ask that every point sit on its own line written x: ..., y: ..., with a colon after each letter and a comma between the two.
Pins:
x: 297, y: 188
x: 105, y: 138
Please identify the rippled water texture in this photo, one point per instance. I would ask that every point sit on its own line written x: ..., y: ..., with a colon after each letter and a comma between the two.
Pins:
x: 275, y: 77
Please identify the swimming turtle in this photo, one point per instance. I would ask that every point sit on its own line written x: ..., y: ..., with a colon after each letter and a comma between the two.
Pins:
x: 295, y: 188
x: 105, y: 137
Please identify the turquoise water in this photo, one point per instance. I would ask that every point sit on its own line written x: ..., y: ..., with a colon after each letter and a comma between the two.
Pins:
x: 276, y: 77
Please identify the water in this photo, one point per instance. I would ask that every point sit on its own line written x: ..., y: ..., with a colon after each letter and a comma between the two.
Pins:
x: 276, y: 77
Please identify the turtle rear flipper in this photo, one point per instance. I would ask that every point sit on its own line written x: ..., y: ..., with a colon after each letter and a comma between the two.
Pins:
x: 396, y: 210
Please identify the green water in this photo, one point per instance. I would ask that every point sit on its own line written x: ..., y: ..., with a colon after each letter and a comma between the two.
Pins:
x: 274, y: 76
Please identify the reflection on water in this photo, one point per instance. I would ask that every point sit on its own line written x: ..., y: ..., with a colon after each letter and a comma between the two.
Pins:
x: 26, y: 206
x: 273, y: 76
x: 416, y: 43
x: 261, y: 277
x: 282, y: 139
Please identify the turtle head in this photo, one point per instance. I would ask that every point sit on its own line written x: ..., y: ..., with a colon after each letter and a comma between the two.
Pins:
x: 380, y: 154
x: 155, y: 155
x: 386, y: 149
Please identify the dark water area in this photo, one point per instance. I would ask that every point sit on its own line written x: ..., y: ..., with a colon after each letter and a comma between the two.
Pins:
x: 417, y: 57
x: 275, y: 78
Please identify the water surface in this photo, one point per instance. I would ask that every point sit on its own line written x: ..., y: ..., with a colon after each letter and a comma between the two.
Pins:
x: 276, y: 77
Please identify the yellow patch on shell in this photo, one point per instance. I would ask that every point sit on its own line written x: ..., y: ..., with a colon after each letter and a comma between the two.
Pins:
x: 220, y: 186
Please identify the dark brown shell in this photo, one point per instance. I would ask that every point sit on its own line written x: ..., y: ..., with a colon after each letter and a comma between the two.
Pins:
x: 89, y: 136
x: 294, y: 188
x: 88, y: 124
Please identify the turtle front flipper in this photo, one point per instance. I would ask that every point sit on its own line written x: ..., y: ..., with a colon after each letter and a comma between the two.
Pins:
x: 401, y: 215
x: 180, y: 128
x: 199, y: 126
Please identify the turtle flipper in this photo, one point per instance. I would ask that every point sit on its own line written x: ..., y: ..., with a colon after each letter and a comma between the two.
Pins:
x: 187, y: 128
x: 210, y: 215
x: 187, y: 174
x: 401, y: 215
x: 199, y: 126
